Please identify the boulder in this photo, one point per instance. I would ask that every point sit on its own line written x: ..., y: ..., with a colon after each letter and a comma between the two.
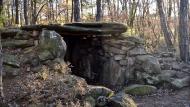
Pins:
x: 89, y: 102
x: 17, y: 43
x: 51, y: 44
x: 137, y: 51
x: 45, y: 55
x: 138, y: 89
x: 121, y: 100
x: 23, y: 35
x: 180, y: 83
x: 96, y: 91
x: 116, y: 50
x: 11, y: 60
x: 102, y: 101
x: 166, y: 75
x: 9, y: 32
x: 150, y: 79
x: 130, y: 60
x: 135, y: 39
x: 112, y: 74
x: 10, y: 71
x: 119, y: 57
x: 123, y: 62
x: 167, y: 54
x: 142, y: 77
x: 148, y: 64
x: 31, y: 57
x: 166, y: 66
x: 125, y: 48
x: 176, y: 66
x: 118, y: 43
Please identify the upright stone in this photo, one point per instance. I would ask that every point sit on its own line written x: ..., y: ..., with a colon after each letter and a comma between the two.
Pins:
x: 112, y: 75
x: 51, y: 45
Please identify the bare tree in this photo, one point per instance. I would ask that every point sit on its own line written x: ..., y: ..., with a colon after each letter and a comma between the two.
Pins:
x: 67, y: 10
x: 1, y: 6
x: 99, y: 10
x: 184, y: 30
x: 132, y: 13
x: 76, y: 7
x: 1, y: 61
x: 1, y: 74
x: 17, y: 12
x: 25, y: 4
x: 169, y: 8
x: 35, y: 12
x: 164, y: 25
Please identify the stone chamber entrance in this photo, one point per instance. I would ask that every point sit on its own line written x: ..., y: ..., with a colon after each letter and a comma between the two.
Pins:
x: 98, y: 52
x: 85, y: 47
x: 84, y: 54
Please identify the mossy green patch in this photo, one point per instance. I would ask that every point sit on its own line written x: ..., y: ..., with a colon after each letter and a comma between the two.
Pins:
x: 138, y: 89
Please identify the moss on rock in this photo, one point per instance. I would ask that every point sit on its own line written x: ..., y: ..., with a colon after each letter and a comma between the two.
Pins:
x: 138, y: 89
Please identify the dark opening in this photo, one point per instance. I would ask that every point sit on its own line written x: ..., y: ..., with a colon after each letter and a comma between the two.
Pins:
x: 84, y: 53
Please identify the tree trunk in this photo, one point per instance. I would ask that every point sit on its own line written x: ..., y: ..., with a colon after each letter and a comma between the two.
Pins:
x: 81, y: 8
x: 34, y: 19
x: 170, y: 9
x: 132, y: 13
x: 164, y: 25
x: 1, y: 6
x: 25, y: 4
x: 72, y: 11
x: 184, y: 30
x: 67, y: 10
x: 1, y: 74
x: 1, y: 61
x: 99, y: 10
x: 109, y: 10
x: 12, y: 12
x: 17, y: 12
x: 34, y: 11
x: 77, y: 11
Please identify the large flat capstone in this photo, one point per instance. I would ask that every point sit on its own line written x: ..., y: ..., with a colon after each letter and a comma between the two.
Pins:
x: 82, y: 29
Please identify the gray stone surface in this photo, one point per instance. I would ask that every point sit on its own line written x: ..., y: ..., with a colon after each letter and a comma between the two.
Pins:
x: 117, y: 51
x: 96, y: 91
x: 166, y: 75
x: 112, y: 74
x: 9, y: 71
x: 11, y: 60
x: 180, y: 83
x: 121, y: 100
x: 123, y: 62
x: 148, y: 63
x: 17, y: 43
x: 52, y: 42
x: 137, y: 51
x: 119, y: 57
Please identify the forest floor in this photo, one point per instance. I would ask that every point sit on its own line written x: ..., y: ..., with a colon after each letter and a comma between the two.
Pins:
x: 162, y: 98
x: 166, y: 98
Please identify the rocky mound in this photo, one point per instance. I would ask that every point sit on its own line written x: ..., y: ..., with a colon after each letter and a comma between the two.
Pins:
x: 36, y: 75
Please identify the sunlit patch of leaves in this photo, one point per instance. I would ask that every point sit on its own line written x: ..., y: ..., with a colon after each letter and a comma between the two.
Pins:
x: 43, y: 74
